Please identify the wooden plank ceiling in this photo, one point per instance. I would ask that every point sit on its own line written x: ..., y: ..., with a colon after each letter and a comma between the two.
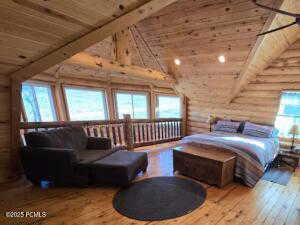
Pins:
x: 39, y: 34
x: 31, y: 29
x: 269, y: 47
x: 196, y: 32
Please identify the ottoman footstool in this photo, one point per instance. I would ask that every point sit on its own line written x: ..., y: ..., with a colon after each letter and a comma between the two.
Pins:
x: 119, y: 168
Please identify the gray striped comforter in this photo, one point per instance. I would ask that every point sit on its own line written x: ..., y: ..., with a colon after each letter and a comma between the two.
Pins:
x: 253, y: 153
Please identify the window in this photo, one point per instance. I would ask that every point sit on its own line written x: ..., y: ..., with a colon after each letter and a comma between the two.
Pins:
x: 168, y: 107
x: 289, y: 113
x: 38, y: 103
x: 86, y: 104
x: 133, y: 103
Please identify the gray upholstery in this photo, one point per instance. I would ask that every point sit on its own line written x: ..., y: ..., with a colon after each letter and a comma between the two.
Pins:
x: 87, y: 156
x: 96, y: 143
x: 54, y: 164
x: 67, y: 156
x: 69, y: 137
x: 122, y: 167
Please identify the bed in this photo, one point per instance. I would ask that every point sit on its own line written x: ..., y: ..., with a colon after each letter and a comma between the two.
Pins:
x: 254, y: 154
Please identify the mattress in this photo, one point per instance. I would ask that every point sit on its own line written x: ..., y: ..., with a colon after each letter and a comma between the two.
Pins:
x: 253, y: 153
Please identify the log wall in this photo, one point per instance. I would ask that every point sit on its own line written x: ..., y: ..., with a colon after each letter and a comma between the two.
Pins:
x: 257, y: 102
x: 5, y: 138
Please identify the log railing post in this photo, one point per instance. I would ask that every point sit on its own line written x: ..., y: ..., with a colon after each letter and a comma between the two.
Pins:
x: 15, y: 160
x: 129, y: 140
x: 184, y: 116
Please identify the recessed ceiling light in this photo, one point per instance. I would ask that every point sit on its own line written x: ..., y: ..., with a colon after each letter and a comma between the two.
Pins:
x: 177, y: 61
x: 222, y: 59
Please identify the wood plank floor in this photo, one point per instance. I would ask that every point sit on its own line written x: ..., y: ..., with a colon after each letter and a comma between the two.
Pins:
x: 268, y: 203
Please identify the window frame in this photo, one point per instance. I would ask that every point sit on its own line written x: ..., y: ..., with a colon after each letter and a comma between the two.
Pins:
x: 279, y: 105
x: 168, y: 95
x: 52, y: 99
x: 105, y: 100
x: 147, y: 94
x: 280, y: 97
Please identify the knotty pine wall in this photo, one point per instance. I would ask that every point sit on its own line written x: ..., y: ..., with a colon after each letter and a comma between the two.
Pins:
x: 5, y: 138
x: 258, y: 102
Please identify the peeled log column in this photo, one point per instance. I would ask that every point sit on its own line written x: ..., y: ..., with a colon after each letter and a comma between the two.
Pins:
x: 123, y: 51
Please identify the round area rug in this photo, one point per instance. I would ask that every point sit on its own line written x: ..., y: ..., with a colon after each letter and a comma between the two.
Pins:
x: 159, y: 198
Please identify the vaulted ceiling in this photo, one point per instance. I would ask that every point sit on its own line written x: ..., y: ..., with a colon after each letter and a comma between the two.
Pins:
x: 31, y: 29
x: 195, y: 31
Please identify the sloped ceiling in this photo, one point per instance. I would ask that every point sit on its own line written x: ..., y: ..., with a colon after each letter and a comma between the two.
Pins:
x: 31, y: 29
x: 197, y: 32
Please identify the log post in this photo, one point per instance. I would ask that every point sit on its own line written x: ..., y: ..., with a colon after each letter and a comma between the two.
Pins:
x: 15, y: 161
x: 184, y: 116
x: 110, y: 103
x: 128, y: 132
x: 123, y: 51
x: 152, y: 103
x: 59, y: 104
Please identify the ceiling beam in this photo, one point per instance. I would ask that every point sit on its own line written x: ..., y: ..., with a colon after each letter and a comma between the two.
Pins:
x: 89, y: 39
x: 270, y: 46
x: 85, y: 60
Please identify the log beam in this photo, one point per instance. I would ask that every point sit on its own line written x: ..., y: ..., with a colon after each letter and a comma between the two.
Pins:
x: 86, y: 60
x: 89, y: 39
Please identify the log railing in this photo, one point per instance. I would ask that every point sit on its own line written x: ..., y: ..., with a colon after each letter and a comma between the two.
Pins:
x: 148, y: 132
x: 127, y: 133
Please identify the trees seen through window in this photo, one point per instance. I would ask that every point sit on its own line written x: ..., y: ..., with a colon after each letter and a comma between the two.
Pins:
x: 133, y: 103
x: 168, y: 106
x: 86, y: 104
x: 38, y: 103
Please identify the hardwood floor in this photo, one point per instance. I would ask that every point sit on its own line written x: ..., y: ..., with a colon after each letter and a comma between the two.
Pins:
x: 268, y: 203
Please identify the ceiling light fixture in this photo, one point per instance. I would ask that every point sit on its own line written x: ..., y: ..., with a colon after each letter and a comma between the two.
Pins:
x: 222, y: 59
x: 177, y: 61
